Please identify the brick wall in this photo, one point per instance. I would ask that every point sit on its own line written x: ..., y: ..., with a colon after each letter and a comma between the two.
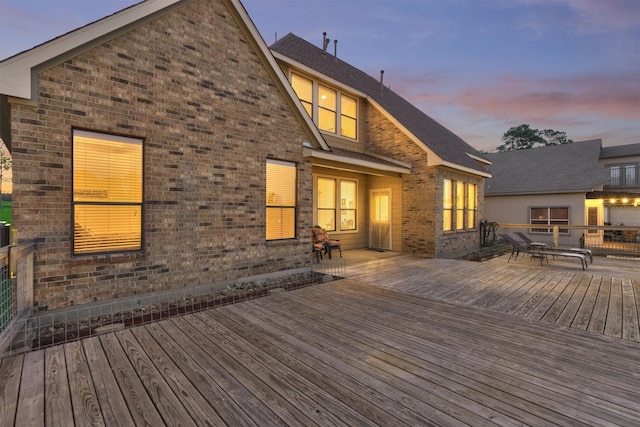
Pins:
x: 191, y: 86
x: 422, y: 193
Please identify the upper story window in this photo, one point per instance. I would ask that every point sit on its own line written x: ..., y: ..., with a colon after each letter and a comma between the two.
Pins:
x: 331, y: 110
x: 624, y: 175
x: 107, y: 193
x: 348, y: 114
x: 327, y: 109
x: 304, y: 89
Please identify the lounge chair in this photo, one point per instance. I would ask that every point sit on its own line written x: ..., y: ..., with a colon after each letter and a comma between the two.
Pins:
x: 320, y: 236
x: 585, y: 252
x: 539, y: 253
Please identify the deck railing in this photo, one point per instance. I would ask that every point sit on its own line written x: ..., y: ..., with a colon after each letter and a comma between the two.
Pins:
x: 601, y: 240
x: 16, y: 291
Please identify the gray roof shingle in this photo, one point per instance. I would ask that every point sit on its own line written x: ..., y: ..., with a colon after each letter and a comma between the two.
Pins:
x: 567, y: 168
x: 444, y: 143
x: 620, y: 151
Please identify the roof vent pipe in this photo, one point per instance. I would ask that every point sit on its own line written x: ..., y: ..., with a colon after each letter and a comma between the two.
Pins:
x: 381, y: 75
x: 335, y: 48
x: 325, y: 41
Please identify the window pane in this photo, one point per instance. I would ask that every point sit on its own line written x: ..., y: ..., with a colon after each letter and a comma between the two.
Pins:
x: 471, y: 205
x: 348, y: 119
x: 281, y: 223
x: 327, y: 203
x: 281, y: 183
x: 348, y: 127
x: 327, y: 98
x: 539, y: 214
x: 447, y: 194
x: 559, y: 213
x: 348, y: 194
x: 615, y: 175
x: 327, y: 219
x: 107, y: 193
x: 106, y: 168
x: 447, y: 203
x: 326, y: 193
x: 446, y: 220
x: 327, y: 109
x: 348, y: 106
x: 630, y: 175
x: 105, y: 228
x: 281, y: 200
x: 348, y: 205
x: 348, y: 220
x: 460, y: 196
x: 327, y: 120
x: 303, y: 88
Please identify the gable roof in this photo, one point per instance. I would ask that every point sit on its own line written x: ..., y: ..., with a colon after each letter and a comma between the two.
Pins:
x: 566, y: 168
x: 18, y: 73
x: 450, y: 149
x: 628, y: 150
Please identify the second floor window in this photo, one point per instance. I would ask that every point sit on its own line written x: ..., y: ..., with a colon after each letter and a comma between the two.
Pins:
x: 331, y: 110
x: 623, y: 175
x: 327, y: 109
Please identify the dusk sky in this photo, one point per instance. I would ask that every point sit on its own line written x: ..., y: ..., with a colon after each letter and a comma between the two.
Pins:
x: 477, y: 66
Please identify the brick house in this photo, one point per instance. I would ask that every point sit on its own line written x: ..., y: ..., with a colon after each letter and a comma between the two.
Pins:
x: 166, y: 147
x: 395, y: 179
x: 197, y: 122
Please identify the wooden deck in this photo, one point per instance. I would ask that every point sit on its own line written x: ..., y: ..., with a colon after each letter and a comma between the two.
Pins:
x: 604, y: 299
x: 427, y: 344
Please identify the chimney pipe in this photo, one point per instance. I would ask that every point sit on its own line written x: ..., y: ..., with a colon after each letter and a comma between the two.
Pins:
x: 381, y: 75
x: 335, y: 48
x: 325, y: 41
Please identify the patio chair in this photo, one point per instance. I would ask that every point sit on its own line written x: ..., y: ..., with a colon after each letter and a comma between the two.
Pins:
x: 583, y: 251
x: 317, y: 251
x: 321, y: 236
x: 516, y: 247
x: 541, y: 253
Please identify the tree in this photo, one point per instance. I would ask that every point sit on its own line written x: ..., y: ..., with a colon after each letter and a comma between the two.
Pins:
x: 523, y: 137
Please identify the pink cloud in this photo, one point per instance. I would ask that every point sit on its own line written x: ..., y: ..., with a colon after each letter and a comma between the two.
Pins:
x: 545, y: 98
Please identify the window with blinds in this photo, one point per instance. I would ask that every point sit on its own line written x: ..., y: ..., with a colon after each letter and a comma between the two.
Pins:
x: 107, y: 193
x: 281, y: 200
x: 447, y: 205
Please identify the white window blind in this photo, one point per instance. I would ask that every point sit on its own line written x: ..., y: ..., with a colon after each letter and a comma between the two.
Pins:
x: 281, y: 200
x: 107, y: 193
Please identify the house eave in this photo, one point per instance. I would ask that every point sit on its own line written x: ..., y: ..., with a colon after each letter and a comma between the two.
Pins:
x: 465, y: 169
x: 358, y: 163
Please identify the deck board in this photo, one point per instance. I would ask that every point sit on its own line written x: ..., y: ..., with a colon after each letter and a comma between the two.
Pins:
x: 403, y: 341
x: 30, y: 411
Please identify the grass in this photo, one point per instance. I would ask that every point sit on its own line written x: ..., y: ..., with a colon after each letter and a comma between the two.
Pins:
x: 6, y: 212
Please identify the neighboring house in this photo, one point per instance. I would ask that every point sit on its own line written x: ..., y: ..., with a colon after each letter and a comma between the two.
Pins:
x: 562, y: 185
x: 163, y: 147
x: 158, y: 148
x: 621, y: 195
x: 394, y: 179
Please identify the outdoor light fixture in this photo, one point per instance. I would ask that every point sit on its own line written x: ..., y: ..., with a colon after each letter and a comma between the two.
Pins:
x: 612, y: 201
x: 625, y: 200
